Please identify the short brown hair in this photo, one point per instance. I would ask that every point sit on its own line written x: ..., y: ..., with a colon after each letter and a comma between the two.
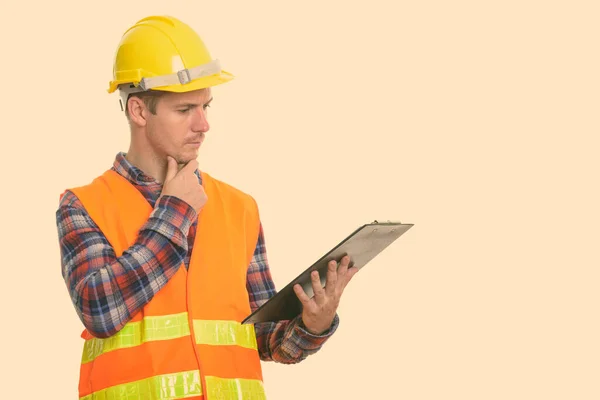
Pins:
x: 149, y: 97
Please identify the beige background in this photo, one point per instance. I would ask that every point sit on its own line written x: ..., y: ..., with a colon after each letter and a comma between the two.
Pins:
x: 475, y: 120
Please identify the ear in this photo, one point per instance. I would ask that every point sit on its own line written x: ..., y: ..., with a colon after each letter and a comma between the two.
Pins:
x: 138, y: 112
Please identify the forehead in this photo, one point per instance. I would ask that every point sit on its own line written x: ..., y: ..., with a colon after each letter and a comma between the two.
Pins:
x: 193, y: 97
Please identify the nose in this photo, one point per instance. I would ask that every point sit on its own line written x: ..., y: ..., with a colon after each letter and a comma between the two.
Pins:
x: 200, y: 121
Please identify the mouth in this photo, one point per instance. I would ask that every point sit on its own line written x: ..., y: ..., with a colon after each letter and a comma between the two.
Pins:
x: 197, y: 142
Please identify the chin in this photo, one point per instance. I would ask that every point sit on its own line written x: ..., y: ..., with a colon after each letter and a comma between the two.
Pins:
x: 187, y: 157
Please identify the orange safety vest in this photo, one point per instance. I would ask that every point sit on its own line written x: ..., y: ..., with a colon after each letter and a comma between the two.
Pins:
x: 187, y: 342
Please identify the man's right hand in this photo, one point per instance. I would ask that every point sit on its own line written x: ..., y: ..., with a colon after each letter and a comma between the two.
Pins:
x: 184, y: 184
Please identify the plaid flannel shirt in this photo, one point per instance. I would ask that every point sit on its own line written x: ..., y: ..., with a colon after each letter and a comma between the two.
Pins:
x: 107, y: 291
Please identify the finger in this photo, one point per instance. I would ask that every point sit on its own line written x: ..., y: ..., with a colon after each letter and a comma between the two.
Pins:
x: 331, y: 278
x: 171, y: 168
x: 317, y: 288
x: 349, y: 275
x: 190, y: 167
x: 343, y: 272
x: 343, y: 268
x: 343, y: 281
x: 301, y: 294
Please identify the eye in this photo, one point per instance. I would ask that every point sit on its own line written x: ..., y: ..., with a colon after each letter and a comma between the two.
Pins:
x: 206, y: 106
x: 183, y: 111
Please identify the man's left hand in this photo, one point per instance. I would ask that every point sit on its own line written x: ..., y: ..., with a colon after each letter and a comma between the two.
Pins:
x: 318, y: 313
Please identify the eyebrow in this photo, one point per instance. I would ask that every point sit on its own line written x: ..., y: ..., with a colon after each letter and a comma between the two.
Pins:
x: 191, y: 104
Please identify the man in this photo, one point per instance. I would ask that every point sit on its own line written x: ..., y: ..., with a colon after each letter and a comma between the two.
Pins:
x: 162, y: 261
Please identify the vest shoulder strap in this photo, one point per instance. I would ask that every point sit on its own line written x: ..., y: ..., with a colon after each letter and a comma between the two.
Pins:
x: 110, y: 200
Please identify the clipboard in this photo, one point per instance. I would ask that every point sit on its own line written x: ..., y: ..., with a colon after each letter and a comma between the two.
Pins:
x: 362, y: 245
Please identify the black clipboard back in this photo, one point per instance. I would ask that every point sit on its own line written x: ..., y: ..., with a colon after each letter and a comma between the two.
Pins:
x: 362, y: 245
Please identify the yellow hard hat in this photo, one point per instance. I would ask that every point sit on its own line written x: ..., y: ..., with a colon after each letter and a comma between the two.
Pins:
x: 163, y: 53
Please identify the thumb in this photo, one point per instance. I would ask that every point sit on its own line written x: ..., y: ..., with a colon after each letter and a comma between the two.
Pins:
x: 171, y: 168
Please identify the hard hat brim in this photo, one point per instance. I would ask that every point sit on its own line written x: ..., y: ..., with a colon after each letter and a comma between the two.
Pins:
x: 200, y: 83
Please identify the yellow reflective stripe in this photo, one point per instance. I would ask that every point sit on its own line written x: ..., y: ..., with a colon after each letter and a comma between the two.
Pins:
x: 162, y: 327
x: 238, y: 389
x: 162, y: 387
x: 221, y: 333
x: 210, y: 332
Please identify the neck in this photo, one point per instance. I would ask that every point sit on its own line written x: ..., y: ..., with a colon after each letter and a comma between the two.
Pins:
x: 149, y: 161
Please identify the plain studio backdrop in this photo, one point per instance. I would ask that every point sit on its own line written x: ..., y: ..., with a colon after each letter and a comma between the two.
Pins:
x: 476, y: 121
